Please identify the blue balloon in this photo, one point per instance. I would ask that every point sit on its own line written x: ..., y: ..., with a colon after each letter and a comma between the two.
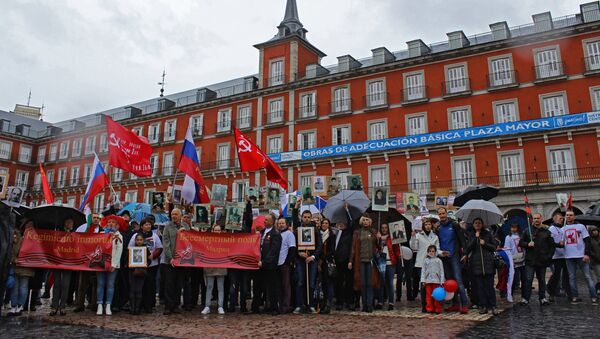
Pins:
x: 439, y: 294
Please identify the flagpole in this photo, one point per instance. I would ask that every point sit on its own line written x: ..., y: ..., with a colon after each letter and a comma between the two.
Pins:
x: 110, y: 186
x: 527, y: 217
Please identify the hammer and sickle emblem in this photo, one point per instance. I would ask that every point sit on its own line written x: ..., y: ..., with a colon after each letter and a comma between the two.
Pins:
x: 113, y: 141
x: 244, y: 146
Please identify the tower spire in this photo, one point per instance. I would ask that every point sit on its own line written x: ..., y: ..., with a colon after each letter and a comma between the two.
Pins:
x: 291, y: 22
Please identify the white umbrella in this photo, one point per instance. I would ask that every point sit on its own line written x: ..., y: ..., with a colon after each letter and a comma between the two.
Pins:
x: 487, y: 211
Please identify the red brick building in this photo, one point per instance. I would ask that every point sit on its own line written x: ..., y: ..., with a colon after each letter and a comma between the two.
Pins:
x: 512, y: 107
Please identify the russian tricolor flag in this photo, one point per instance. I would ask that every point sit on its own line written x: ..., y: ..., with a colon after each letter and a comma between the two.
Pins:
x: 194, y: 190
x: 98, y: 181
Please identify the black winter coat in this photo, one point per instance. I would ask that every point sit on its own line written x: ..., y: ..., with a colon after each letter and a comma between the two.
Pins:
x: 481, y: 257
x: 540, y: 255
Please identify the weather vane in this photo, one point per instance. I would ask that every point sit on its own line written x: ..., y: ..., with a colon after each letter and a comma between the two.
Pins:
x: 162, y: 83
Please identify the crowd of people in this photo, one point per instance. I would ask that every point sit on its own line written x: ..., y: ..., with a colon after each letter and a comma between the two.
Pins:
x: 354, y: 265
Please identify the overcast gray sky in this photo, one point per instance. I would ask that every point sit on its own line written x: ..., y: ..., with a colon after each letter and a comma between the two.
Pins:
x: 84, y: 56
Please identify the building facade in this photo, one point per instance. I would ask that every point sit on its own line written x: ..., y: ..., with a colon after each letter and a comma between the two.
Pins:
x: 515, y: 107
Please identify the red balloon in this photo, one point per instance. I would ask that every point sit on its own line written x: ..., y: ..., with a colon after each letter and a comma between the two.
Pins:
x: 451, y: 286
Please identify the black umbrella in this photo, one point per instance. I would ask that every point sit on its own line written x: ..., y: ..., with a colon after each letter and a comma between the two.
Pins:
x: 591, y: 216
x: 391, y: 215
x: 52, y: 216
x: 483, y: 192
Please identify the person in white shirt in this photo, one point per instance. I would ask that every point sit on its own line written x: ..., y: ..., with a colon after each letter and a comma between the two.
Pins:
x: 420, y: 242
x: 560, y: 277
x: 511, y: 245
x: 576, y: 242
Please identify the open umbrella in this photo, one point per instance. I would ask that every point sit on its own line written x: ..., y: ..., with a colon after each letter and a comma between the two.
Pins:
x: 357, y: 201
x: 483, y: 192
x: 388, y: 216
x: 52, y: 216
x: 138, y: 211
x: 591, y: 216
x: 487, y: 211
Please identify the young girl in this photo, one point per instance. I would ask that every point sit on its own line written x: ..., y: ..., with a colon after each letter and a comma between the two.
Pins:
x: 432, y: 276
x: 137, y: 276
x: 420, y: 242
x: 106, y: 279
x: 392, y: 252
x: 210, y: 275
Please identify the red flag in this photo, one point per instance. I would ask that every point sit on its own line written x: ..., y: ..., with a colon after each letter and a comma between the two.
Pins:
x: 527, y: 208
x: 570, y: 202
x: 253, y: 158
x: 127, y: 150
x: 46, y: 187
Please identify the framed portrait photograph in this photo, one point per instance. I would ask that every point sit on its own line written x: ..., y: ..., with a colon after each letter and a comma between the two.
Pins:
x: 379, y: 199
x: 234, y: 215
x: 3, y: 185
x: 292, y: 199
x: 202, y: 215
x: 158, y: 201
x: 219, y: 194
x: 255, y: 212
x: 333, y: 186
x: 423, y: 204
x: 354, y: 182
x: 273, y: 199
x: 307, y: 196
x: 441, y: 201
x: 14, y: 195
x: 138, y: 256
x: 177, y: 195
x: 306, y: 238
x: 252, y: 193
x: 218, y: 215
x: 411, y: 204
x: 318, y: 184
x: 398, y: 232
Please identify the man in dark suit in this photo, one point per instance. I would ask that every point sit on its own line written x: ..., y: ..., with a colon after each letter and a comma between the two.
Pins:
x: 270, y: 245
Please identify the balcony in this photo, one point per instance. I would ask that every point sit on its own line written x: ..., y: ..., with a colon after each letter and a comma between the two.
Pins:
x: 277, y: 80
x: 502, y: 80
x: 275, y: 118
x: 244, y: 123
x: 198, y: 132
x: 340, y: 107
x: 552, y: 71
x: 223, y: 127
x: 375, y: 101
x: 24, y: 158
x: 592, y: 65
x: 306, y: 113
x: 414, y: 95
x: 456, y: 88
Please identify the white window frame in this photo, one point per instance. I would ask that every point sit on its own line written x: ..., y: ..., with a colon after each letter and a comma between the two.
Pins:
x: 52, y: 156
x: 592, y: 61
x: 334, y: 134
x: 224, y: 120
x: 458, y: 85
x: 87, y: 173
x: 595, y: 97
x: 131, y: 194
x: 168, y: 170
x: 510, y: 177
x: 103, y: 143
x: 139, y: 130
x: 76, y: 150
x: 422, y: 186
x: 452, y: 125
x: 407, y: 120
x: 499, y: 117
x: 99, y: 203
x: 41, y: 154
x: 460, y: 183
x: 501, y: 77
x: 342, y: 175
x: 244, y: 116
x: 305, y: 179
x: 271, y: 139
x: 545, y: 96
x: 371, y: 135
x: 21, y: 179
x: 61, y: 182
x: 308, y: 105
x: 75, y: 176
x: 7, y: 152
x: 169, y: 133
x: 25, y: 157
x: 551, y: 71
x: 50, y: 177
x: 197, y: 123
x: 238, y: 190
x: 562, y: 175
x: 275, y: 116
x: 154, y: 159
x: 71, y: 201
x: 342, y: 104
x: 276, y: 76
x: 301, y: 142
x: 154, y: 133
x: 386, y: 176
x: 376, y: 98
x: 90, y: 150
x: 117, y: 174
x: 199, y: 153
x: 63, y: 150
x: 223, y: 164
x: 414, y: 90
x: 37, y: 181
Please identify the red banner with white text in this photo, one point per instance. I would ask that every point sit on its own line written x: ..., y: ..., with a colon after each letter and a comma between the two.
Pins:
x: 219, y: 250
x: 65, y: 251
